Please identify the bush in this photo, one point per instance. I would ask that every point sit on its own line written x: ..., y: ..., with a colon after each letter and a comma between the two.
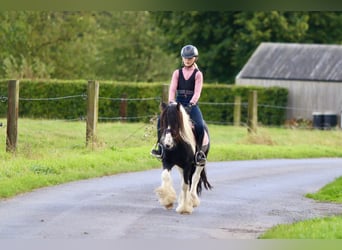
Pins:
x: 60, y: 99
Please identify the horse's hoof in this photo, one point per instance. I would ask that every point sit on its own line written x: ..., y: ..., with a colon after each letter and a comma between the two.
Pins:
x: 195, y: 201
x: 166, y: 197
x: 169, y: 206
x: 184, y: 211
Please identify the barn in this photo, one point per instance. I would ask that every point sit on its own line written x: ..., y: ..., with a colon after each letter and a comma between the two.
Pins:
x: 312, y: 73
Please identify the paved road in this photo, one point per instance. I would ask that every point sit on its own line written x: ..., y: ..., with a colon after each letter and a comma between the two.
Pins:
x: 248, y: 198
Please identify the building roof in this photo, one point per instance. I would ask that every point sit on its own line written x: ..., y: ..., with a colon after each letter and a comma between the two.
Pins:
x: 294, y: 61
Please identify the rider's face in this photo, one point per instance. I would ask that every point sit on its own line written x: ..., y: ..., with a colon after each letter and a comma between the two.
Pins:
x: 189, y: 61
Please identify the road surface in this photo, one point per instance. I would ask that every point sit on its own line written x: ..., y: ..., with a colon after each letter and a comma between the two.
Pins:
x: 248, y: 198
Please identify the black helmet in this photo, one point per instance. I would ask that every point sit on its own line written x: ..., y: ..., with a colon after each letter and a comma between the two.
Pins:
x: 189, y: 51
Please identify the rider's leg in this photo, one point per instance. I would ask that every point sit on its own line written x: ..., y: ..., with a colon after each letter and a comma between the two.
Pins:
x: 197, y: 118
x: 157, y: 151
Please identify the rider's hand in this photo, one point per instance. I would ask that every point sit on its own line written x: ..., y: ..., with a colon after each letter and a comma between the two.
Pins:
x: 189, y: 107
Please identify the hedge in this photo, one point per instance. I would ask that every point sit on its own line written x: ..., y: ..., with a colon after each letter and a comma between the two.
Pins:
x: 61, y: 99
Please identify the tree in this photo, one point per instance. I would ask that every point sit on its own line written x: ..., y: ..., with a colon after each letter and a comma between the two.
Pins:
x: 253, y: 28
x: 41, y: 44
x: 122, y: 46
x: 131, y: 48
x: 227, y: 39
x: 211, y: 32
x: 324, y: 27
x: 145, y: 46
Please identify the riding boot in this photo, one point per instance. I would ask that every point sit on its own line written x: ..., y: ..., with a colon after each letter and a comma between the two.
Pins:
x: 158, y: 149
x: 200, y: 157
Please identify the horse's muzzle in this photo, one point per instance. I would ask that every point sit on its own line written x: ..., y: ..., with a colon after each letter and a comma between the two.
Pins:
x: 168, y: 141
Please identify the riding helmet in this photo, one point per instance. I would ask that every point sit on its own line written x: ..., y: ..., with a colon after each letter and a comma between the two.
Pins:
x: 189, y: 51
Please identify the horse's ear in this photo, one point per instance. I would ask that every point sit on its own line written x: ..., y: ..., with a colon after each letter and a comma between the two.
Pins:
x: 163, y: 106
x: 178, y: 106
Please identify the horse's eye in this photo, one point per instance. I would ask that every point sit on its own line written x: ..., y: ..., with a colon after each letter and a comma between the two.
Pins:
x: 174, y: 132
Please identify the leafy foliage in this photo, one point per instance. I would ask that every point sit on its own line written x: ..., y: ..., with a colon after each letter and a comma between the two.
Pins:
x: 82, y: 45
x: 130, y: 48
x: 143, y: 46
x: 226, y: 39
x: 40, y: 44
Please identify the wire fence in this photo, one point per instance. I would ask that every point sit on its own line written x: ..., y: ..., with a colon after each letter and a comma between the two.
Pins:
x: 218, y: 106
x: 122, y: 103
x: 3, y: 100
x: 91, y: 107
x: 157, y: 100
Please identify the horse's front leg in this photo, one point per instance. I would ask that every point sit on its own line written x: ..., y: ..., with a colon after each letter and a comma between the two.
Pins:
x: 194, y: 182
x: 184, y: 201
x: 166, y: 192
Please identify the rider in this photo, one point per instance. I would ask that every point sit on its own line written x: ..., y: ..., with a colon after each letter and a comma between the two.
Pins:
x: 185, y: 88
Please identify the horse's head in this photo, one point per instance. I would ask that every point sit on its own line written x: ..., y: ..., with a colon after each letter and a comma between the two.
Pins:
x: 175, y: 126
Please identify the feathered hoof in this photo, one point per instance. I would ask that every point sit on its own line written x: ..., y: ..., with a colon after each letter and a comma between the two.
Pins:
x: 166, y: 197
x: 169, y: 206
x: 184, y: 210
x: 195, y: 201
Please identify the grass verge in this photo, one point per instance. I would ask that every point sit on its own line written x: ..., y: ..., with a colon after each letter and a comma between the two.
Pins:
x: 318, y: 228
x: 325, y: 228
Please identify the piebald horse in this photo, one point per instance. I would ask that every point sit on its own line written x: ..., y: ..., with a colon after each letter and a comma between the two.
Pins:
x: 179, y: 147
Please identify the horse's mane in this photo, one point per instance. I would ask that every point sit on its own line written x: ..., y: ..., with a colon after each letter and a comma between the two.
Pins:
x: 175, y: 116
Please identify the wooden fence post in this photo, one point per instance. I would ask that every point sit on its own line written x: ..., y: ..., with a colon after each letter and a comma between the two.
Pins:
x: 252, y: 111
x: 237, y: 110
x: 123, y: 108
x: 12, y: 116
x: 92, y: 112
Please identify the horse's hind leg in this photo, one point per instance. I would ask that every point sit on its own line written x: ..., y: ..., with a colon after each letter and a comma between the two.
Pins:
x: 194, y: 182
x: 166, y: 192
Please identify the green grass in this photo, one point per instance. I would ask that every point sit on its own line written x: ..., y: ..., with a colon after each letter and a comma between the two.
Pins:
x: 326, y: 228
x: 331, y: 192
x: 318, y: 228
x: 53, y: 152
x: 323, y: 228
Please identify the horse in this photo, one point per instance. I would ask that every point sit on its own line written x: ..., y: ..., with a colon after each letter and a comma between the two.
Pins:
x: 179, y: 147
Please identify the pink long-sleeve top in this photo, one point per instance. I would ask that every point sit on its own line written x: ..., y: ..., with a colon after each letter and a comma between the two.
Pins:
x: 187, y: 72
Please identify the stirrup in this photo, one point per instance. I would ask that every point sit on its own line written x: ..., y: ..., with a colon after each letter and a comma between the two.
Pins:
x: 200, y: 158
x: 159, y: 152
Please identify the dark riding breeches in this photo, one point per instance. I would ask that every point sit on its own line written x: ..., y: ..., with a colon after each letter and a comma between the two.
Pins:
x: 197, y: 119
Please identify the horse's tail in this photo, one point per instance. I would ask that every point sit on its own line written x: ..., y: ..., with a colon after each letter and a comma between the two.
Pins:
x: 205, y: 182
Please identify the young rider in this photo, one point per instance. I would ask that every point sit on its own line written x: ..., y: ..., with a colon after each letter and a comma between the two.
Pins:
x: 185, y: 88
